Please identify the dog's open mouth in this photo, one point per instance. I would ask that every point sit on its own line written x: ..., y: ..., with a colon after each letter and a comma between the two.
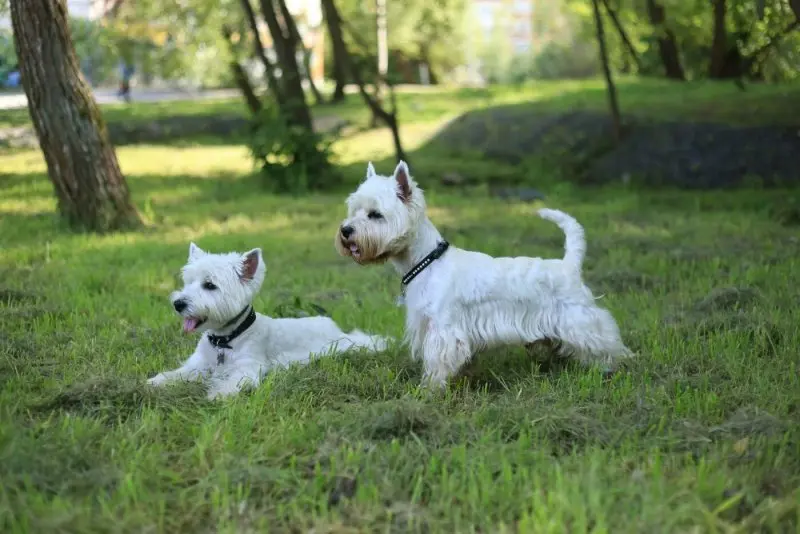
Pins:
x: 190, y: 324
x: 355, y: 252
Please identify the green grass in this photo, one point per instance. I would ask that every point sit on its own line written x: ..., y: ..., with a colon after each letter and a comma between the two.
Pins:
x: 657, y: 99
x: 698, y: 434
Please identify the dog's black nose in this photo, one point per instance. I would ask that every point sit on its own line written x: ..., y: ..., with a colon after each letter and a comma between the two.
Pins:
x: 347, y: 231
x: 180, y: 305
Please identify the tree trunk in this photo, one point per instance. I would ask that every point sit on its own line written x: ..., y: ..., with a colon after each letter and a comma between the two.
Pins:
x: 612, y: 90
x: 795, y: 5
x: 623, y: 34
x: 91, y: 190
x: 387, y: 117
x: 719, y: 41
x: 240, y: 76
x: 286, y: 46
x: 667, y: 45
x: 269, y: 68
x: 243, y: 82
x: 339, y: 68
x: 318, y: 98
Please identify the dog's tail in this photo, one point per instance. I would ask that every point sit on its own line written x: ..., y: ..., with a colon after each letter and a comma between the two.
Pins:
x: 575, y: 246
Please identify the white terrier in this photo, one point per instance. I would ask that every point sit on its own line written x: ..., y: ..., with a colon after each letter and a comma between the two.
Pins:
x: 238, y: 345
x: 459, y: 302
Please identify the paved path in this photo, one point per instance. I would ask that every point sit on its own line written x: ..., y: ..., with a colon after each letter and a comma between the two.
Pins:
x: 109, y: 96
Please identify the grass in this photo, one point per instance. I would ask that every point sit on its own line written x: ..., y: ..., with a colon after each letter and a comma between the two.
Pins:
x: 698, y: 434
x: 656, y: 99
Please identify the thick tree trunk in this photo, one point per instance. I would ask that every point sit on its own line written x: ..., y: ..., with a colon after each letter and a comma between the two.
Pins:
x: 612, y: 90
x: 667, y: 45
x: 91, y: 190
x: 719, y: 41
x: 339, y: 68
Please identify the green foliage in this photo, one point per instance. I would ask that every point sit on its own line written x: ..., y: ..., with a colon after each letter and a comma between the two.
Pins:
x: 179, y: 40
x: 432, y: 31
x: 292, y: 159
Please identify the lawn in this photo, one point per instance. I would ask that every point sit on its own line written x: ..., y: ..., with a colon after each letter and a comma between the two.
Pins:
x: 698, y: 434
x: 658, y: 99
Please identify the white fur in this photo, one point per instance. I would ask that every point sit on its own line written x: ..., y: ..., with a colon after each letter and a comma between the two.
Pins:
x: 268, y: 343
x: 468, y: 301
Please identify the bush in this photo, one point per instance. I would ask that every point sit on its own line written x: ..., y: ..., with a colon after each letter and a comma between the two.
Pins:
x: 560, y: 60
x: 292, y: 159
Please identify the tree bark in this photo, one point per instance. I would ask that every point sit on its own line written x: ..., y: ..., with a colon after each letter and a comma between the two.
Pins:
x: 389, y: 118
x: 92, y: 192
x: 795, y: 5
x: 616, y: 123
x: 719, y: 40
x: 667, y: 44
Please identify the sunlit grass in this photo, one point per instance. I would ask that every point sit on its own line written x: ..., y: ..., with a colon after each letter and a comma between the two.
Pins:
x: 698, y: 434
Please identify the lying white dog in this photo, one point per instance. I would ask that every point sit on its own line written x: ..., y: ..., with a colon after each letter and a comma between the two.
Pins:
x: 238, y: 345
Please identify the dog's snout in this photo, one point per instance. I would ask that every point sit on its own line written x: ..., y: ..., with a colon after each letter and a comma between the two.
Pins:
x: 347, y: 231
x: 179, y: 305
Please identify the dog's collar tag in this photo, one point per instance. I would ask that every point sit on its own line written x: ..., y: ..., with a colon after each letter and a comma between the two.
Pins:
x: 223, y: 342
x: 425, y: 262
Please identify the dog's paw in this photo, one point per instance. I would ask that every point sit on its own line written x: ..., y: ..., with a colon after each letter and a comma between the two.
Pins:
x: 221, y: 390
x: 159, y: 380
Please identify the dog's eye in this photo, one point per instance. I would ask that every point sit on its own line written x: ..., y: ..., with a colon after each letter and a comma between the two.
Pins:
x: 374, y: 215
x: 209, y: 286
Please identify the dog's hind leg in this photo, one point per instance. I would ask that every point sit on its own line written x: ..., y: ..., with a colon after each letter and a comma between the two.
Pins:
x: 590, y: 335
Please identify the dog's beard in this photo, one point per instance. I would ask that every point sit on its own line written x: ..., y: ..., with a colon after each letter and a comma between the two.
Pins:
x: 364, y: 251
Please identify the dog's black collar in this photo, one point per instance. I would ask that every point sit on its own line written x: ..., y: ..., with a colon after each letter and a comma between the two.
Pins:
x: 223, y: 342
x: 427, y: 260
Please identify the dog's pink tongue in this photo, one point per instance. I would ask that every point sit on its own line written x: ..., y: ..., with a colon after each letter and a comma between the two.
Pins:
x: 189, y: 324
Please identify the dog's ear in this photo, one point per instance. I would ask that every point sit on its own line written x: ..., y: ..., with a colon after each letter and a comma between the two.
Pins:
x: 370, y: 170
x: 195, y: 252
x: 401, y: 176
x: 250, y: 261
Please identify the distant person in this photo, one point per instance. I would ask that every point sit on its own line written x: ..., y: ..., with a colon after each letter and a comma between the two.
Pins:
x: 126, y: 74
x: 13, y: 78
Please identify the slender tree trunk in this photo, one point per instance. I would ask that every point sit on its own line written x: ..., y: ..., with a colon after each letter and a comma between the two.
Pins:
x: 258, y: 46
x: 719, y: 40
x: 91, y: 190
x: 340, y: 47
x: 240, y: 76
x: 795, y: 5
x: 286, y: 47
x: 318, y: 98
x: 622, y: 34
x: 339, y: 68
x: 667, y: 44
x: 612, y: 90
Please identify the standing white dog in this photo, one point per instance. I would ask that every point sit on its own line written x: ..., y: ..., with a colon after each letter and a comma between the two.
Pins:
x: 458, y: 301
x: 238, y: 345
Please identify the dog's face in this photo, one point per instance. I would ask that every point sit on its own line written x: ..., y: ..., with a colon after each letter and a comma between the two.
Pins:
x: 216, y: 287
x: 383, y: 215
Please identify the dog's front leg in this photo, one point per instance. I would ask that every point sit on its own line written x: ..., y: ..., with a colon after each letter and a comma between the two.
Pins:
x: 443, y: 355
x: 192, y: 369
x: 241, y: 374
